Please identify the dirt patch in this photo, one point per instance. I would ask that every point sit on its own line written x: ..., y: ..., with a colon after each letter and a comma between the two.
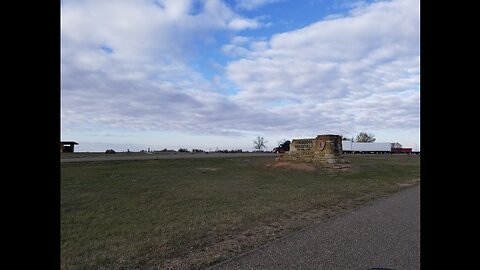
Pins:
x: 338, y: 167
x: 308, y: 166
x: 292, y: 165
x: 207, y: 169
x: 409, y: 183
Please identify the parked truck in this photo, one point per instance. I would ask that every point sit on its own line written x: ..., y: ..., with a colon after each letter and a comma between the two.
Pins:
x: 282, y: 148
x: 366, y: 148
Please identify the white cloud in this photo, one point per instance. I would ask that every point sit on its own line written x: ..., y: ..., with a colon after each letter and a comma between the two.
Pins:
x: 344, y: 75
x: 254, y: 4
x: 360, y: 71
x: 239, y: 40
x: 239, y: 24
x: 218, y: 14
x: 141, y: 28
x: 234, y: 51
x: 125, y: 65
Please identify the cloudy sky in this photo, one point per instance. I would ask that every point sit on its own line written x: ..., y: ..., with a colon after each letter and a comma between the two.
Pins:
x: 216, y: 74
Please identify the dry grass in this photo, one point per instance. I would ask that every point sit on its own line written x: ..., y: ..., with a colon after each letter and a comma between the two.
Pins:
x: 189, y: 213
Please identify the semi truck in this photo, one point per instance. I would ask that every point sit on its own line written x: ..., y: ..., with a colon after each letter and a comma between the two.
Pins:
x: 366, y: 148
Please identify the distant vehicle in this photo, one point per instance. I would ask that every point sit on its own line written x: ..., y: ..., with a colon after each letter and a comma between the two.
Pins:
x: 282, y: 148
x: 366, y: 148
x: 278, y: 150
x: 402, y: 151
x: 349, y: 147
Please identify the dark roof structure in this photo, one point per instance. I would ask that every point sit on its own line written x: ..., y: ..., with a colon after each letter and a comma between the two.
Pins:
x: 67, y: 146
x: 68, y: 142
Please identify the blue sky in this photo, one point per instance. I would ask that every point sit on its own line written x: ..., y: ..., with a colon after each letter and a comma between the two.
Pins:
x: 216, y: 74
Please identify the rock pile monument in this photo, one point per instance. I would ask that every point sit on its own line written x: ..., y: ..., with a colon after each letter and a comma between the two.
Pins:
x: 324, y: 149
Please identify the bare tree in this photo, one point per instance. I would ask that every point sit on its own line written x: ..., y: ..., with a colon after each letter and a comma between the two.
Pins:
x: 259, y: 143
x: 396, y: 145
x: 365, y: 137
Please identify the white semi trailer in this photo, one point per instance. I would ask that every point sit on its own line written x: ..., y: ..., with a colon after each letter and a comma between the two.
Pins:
x: 366, y: 148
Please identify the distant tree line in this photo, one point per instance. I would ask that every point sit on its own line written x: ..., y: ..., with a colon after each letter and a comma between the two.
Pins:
x: 229, y: 151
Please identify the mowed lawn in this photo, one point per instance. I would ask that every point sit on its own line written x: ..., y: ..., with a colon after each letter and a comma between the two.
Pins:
x: 189, y: 213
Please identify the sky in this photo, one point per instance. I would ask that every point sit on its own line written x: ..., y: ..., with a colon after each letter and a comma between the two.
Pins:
x: 213, y: 74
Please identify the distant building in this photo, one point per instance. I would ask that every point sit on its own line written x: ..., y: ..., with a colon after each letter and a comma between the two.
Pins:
x: 67, y: 147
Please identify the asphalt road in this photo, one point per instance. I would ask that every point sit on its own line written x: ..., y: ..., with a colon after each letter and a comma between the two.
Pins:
x: 382, y: 234
x: 113, y: 157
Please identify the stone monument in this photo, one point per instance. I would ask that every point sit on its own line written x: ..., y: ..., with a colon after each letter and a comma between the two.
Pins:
x: 324, y: 149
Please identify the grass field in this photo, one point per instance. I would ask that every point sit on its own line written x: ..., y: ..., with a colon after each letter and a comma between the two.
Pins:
x: 189, y: 213
x: 102, y: 154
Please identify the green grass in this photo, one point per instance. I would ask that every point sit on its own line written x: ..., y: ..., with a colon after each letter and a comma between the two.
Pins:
x: 139, y: 214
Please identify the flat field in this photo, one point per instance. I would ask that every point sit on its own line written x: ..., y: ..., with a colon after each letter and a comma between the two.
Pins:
x: 191, y: 213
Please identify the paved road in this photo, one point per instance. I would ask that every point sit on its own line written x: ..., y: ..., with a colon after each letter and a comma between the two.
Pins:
x: 385, y: 233
x: 113, y: 157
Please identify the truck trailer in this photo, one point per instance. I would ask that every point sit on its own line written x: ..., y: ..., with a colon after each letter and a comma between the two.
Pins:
x: 366, y: 148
